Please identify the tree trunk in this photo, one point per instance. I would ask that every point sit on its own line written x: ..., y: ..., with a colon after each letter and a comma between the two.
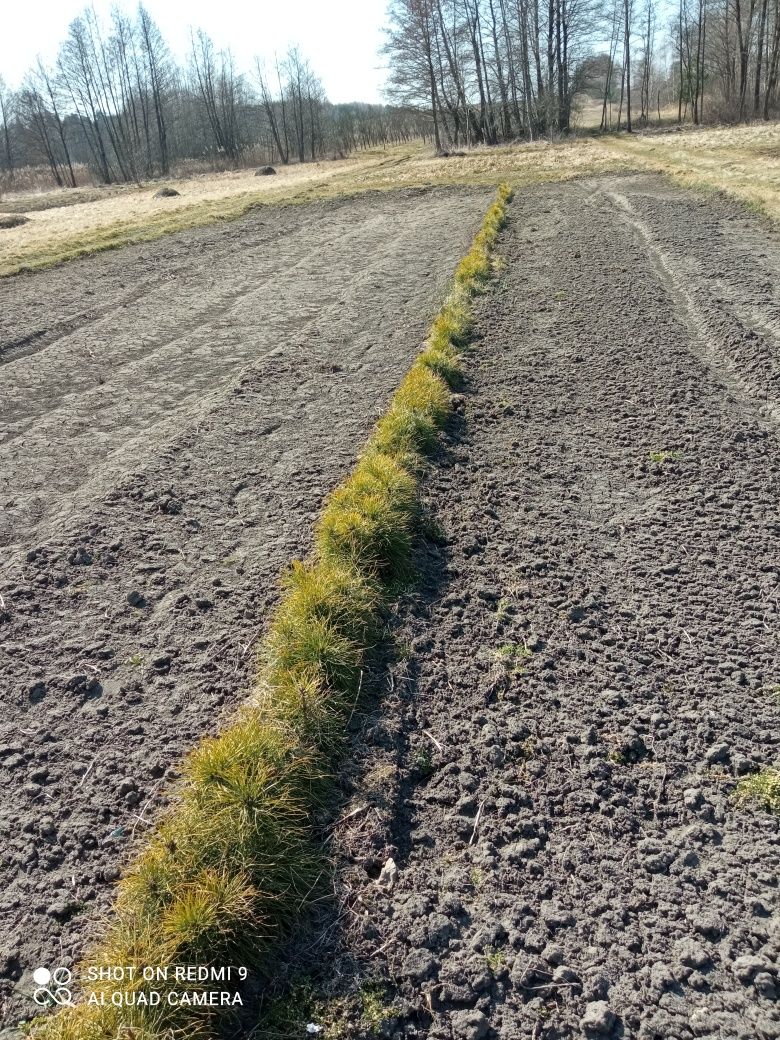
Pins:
x: 759, y: 59
x: 628, y: 64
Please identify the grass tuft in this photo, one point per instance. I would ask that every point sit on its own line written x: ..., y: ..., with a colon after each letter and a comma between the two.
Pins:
x: 212, y: 910
x: 235, y: 858
x: 367, y: 522
x: 446, y: 364
x: 666, y: 455
x: 763, y: 788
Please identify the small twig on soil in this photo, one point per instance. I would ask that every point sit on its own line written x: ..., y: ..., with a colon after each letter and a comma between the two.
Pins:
x: 349, y: 815
x: 551, y: 985
x: 139, y: 819
x: 476, y: 822
x: 660, y: 794
x: 433, y: 740
x: 139, y: 816
x: 86, y: 772
x: 494, y: 685
x: 384, y: 946
x: 357, y: 697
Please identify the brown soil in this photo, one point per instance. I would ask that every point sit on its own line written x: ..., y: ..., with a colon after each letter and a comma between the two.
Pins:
x: 172, y: 417
x: 592, y: 656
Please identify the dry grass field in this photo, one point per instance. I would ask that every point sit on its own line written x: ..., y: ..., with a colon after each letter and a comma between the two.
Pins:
x: 741, y: 161
x: 60, y: 229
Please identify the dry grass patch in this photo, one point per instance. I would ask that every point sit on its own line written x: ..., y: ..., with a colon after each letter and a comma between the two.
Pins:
x: 108, y: 218
x: 236, y: 858
x: 742, y: 161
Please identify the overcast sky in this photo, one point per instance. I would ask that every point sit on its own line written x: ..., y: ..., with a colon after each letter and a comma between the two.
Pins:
x: 341, y: 38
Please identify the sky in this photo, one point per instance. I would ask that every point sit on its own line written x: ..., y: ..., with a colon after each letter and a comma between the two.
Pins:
x: 341, y: 38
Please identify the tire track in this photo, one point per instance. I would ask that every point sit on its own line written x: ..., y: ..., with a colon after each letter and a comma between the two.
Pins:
x: 711, y: 345
x: 139, y: 400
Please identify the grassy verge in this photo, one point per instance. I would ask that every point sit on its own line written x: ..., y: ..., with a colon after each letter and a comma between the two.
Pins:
x: 43, y: 253
x: 128, y: 217
x: 743, y: 162
x: 236, y: 859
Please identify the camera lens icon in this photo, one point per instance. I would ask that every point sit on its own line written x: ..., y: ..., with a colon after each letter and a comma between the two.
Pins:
x: 53, y: 987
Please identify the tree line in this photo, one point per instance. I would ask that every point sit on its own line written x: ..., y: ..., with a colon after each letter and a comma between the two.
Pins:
x: 728, y: 51
x: 497, y: 70
x: 461, y: 72
x: 116, y: 101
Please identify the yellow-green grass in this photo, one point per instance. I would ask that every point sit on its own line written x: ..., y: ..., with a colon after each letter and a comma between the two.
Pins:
x: 233, y: 862
x: 762, y: 788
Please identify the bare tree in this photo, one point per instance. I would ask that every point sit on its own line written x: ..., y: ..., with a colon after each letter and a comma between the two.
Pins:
x: 6, y: 104
x: 158, y: 71
x: 275, y: 111
x: 410, y: 47
x: 218, y: 86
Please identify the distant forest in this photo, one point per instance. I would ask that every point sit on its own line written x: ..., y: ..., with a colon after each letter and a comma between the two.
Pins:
x: 461, y: 72
x: 497, y: 70
x: 117, y: 102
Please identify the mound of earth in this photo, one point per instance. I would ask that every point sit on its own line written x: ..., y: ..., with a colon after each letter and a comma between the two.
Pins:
x: 12, y: 220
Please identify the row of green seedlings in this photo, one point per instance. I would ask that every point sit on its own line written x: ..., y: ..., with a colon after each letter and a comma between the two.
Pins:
x: 233, y: 863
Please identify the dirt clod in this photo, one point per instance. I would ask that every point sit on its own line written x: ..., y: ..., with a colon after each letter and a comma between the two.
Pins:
x: 598, y: 1019
x: 469, y: 1025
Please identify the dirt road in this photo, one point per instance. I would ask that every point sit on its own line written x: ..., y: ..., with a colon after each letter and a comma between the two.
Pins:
x: 172, y: 417
x: 593, y: 658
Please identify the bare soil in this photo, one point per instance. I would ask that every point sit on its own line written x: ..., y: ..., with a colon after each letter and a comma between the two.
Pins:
x: 172, y: 417
x: 591, y: 662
